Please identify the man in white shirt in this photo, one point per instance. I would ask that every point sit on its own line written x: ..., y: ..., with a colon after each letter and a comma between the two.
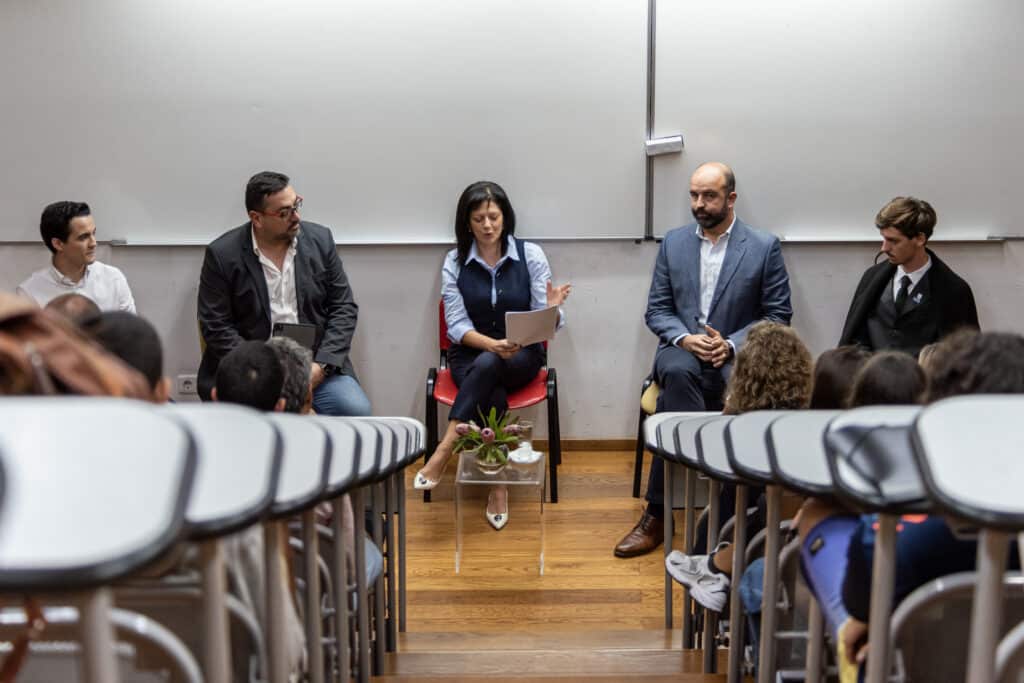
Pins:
x: 69, y: 232
x: 912, y: 298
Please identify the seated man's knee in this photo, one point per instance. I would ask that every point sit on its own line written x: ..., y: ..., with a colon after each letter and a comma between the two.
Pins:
x: 341, y: 396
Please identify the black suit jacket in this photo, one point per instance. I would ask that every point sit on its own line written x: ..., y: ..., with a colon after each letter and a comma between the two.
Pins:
x: 953, y: 301
x: 234, y: 305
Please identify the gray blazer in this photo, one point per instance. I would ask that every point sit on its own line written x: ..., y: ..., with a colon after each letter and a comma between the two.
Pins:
x: 753, y: 285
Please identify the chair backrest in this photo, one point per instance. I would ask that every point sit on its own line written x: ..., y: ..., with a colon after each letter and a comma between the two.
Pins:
x: 746, y: 445
x: 410, y: 438
x: 659, y: 431
x: 968, y: 450
x: 238, y: 466
x: 351, y: 450
x: 796, y: 451
x: 930, y: 628
x: 86, y: 506
x: 711, y: 453
x: 305, y: 463
x: 871, y: 459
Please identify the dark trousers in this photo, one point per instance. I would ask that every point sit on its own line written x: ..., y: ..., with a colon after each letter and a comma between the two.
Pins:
x: 484, y: 379
x: 686, y: 384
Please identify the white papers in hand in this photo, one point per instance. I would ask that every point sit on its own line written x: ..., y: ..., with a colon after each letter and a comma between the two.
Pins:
x: 529, y: 327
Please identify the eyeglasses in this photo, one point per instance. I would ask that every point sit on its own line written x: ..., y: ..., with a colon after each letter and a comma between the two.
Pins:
x: 285, y: 212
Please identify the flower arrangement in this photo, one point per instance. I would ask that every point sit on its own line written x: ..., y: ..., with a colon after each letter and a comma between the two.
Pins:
x: 491, y: 439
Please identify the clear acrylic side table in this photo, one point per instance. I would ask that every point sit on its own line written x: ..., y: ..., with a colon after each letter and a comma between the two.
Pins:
x: 469, y: 474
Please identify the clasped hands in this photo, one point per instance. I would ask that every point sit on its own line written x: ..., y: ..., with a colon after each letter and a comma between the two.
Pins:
x: 711, y: 347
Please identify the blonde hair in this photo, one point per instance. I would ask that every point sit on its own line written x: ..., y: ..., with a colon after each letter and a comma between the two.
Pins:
x: 774, y: 370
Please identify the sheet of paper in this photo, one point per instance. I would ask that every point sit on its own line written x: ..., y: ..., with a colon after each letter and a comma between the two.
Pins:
x: 530, y: 327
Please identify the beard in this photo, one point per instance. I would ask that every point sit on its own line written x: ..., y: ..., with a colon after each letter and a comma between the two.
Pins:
x: 709, y: 219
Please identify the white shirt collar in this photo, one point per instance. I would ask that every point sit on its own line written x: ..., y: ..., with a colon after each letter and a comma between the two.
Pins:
x: 511, y: 252
x: 915, y: 276
x: 728, y: 231
x: 62, y: 279
x: 256, y: 247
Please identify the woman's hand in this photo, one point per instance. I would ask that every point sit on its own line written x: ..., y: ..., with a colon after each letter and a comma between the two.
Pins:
x: 504, y: 348
x: 558, y: 295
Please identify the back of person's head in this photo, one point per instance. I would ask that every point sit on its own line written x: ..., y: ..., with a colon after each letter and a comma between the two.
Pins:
x: 889, y: 378
x: 74, y: 307
x: 773, y: 371
x: 135, y: 341
x: 250, y: 375
x: 833, y: 376
x: 909, y: 215
x: 296, y: 361
x: 980, y: 363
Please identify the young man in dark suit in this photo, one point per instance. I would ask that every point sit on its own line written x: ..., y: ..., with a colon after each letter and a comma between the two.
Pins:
x: 279, y: 268
x: 913, y: 298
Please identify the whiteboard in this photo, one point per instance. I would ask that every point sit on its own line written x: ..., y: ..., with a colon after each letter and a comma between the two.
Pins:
x: 828, y: 109
x: 381, y: 111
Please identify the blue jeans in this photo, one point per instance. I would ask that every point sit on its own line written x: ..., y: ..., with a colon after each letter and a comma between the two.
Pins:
x: 341, y: 396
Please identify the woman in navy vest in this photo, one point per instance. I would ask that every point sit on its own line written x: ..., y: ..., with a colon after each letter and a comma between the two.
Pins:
x: 489, y: 273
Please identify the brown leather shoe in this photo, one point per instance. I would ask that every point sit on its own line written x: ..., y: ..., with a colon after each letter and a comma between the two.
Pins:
x: 647, y: 535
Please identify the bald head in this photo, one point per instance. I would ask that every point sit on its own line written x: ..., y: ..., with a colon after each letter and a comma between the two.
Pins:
x: 712, y: 197
x: 74, y: 307
x: 715, y: 172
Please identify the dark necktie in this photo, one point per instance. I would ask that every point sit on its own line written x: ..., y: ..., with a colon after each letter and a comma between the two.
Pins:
x: 901, y: 296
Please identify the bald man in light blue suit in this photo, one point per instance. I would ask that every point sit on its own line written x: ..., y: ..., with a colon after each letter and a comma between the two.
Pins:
x: 712, y: 281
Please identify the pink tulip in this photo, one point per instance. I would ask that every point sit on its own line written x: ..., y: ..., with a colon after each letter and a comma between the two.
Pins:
x: 512, y: 429
x: 462, y: 429
x: 487, y: 434
x: 472, y: 426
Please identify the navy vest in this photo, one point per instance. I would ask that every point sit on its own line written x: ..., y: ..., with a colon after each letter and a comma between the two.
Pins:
x: 512, y: 285
x: 915, y: 327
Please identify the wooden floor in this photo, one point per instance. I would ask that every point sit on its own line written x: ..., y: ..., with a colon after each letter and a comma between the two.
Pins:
x: 591, y: 616
x: 584, y: 586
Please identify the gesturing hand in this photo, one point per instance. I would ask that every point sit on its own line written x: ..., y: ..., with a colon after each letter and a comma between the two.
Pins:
x: 558, y: 295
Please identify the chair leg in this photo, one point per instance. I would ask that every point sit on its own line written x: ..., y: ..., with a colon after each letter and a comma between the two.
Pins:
x: 430, y: 418
x: 638, y: 466
x: 554, y: 434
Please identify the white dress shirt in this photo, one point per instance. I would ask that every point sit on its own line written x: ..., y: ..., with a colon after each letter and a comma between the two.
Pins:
x: 284, y: 304
x: 455, y: 315
x: 915, y: 277
x: 712, y: 256
x: 105, y: 285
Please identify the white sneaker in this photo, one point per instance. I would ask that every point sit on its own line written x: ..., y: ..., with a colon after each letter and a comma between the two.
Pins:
x: 710, y: 589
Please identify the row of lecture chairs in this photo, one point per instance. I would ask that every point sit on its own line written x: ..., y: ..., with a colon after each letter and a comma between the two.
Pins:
x: 97, y: 492
x: 959, y: 457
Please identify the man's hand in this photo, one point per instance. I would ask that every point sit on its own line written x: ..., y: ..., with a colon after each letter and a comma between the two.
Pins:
x: 699, y: 345
x: 504, y: 348
x: 316, y: 375
x: 854, y: 635
x: 721, y: 350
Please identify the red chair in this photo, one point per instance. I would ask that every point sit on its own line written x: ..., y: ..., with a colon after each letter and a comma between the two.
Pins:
x: 441, y: 389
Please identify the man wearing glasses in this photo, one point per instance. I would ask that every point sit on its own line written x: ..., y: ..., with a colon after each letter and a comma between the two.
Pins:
x: 278, y: 268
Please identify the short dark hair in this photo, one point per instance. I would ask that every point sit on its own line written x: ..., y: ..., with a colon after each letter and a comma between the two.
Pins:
x: 982, y: 363
x: 132, y: 339
x: 296, y: 361
x: 909, y: 215
x: 833, y: 376
x: 481, y: 192
x: 75, y: 307
x: 261, y: 186
x: 250, y: 375
x: 56, y: 221
x: 889, y: 378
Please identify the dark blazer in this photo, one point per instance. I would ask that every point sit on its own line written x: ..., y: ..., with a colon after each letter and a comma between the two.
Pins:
x: 234, y: 305
x: 952, y: 302
x: 752, y: 286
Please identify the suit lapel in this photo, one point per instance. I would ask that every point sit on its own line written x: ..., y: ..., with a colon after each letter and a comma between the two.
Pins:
x: 303, y: 276
x: 733, y: 255
x: 252, y: 264
x: 691, y: 265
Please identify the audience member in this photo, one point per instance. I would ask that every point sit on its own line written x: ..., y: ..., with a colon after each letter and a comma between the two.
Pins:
x: 833, y: 376
x: 250, y: 375
x: 74, y: 307
x: 773, y: 372
x: 277, y: 268
x: 296, y: 362
x: 135, y: 341
x: 712, y: 281
x: 913, y: 298
x: 888, y: 378
x: 69, y: 232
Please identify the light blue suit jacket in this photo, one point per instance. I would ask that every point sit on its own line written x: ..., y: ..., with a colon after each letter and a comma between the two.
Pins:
x: 753, y: 285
